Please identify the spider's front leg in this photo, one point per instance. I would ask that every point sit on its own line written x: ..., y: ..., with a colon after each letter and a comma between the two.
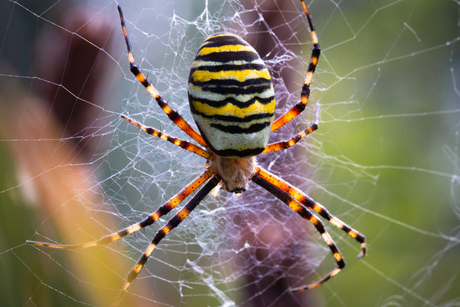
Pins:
x: 172, y: 223
x: 304, y: 213
x: 152, y: 218
x: 311, y: 204
x: 295, y: 200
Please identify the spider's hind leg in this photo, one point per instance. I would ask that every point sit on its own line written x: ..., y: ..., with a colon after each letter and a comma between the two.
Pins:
x: 305, y: 94
x: 172, y: 114
x: 184, y: 144
x: 286, y: 144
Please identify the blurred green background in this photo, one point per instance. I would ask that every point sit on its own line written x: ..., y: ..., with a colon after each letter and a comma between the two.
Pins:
x: 385, y: 159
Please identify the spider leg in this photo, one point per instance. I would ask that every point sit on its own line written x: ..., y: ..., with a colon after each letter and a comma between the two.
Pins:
x: 173, y: 115
x: 184, y: 144
x: 286, y: 144
x: 173, y: 223
x: 164, y: 209
x: 305, y: 94
x: 306, y: 214
x: 311, y: 204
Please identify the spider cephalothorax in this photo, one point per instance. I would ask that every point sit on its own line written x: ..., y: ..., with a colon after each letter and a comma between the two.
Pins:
x: 234, y: 173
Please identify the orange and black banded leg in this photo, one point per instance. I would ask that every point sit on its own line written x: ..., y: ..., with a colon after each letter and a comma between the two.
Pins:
x: 311, y: 204
x: 184, y: 144
x: 304, y: 213
x: 164, y: 209
x: 172, y: 223
x: 173, y: 115
x: 305, y: 94
x: 298, y: 137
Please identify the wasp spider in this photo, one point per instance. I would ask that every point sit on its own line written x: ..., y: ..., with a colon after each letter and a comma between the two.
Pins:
x: 232, y: 100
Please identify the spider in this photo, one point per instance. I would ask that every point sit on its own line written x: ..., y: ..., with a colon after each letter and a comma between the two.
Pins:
x: 232, y: 101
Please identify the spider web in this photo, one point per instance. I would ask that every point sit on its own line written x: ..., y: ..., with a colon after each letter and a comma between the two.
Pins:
x: 385, y: 159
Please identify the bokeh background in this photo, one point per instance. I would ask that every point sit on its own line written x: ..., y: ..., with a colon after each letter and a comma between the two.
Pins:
x: 385, y: 159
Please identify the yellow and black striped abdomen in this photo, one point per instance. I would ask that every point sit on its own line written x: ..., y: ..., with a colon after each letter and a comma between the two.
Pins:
x: 231, y: 96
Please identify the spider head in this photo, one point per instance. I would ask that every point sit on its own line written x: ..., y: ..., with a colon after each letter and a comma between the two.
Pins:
x: 237, y: 191
x: 234, y: 173
x: 235, y: 184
